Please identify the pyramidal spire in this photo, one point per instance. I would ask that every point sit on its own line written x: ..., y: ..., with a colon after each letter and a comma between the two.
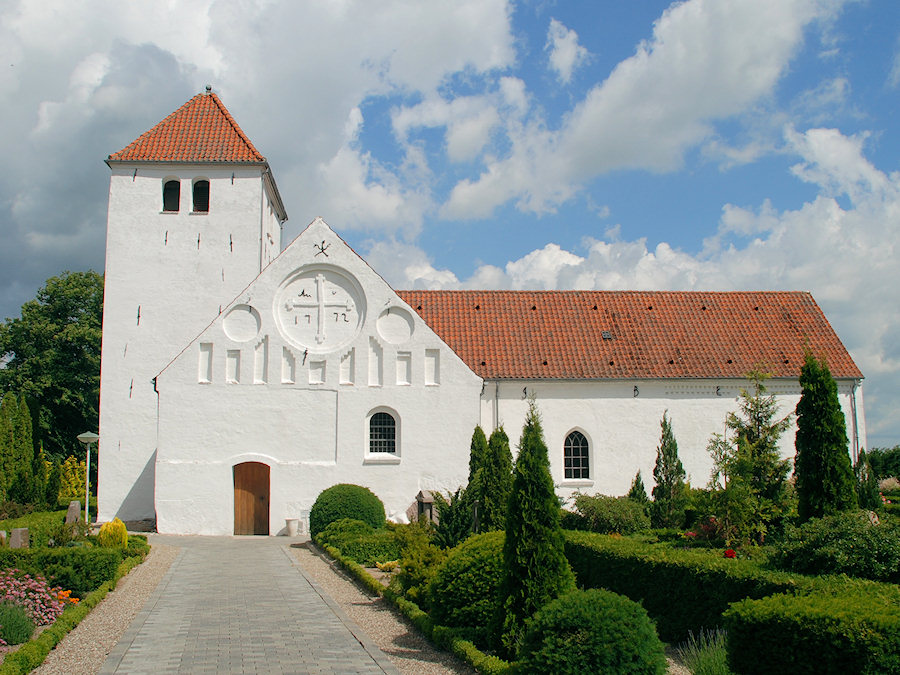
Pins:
x: 202, y: 130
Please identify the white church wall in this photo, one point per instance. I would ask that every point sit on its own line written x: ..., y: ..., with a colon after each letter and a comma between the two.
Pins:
x: 156, y: 262
x: 622, y: 424
x: 223, y: 399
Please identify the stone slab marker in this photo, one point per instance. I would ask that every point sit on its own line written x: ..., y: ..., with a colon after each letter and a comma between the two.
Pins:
x: 19, y: 538
x: 74, y: 513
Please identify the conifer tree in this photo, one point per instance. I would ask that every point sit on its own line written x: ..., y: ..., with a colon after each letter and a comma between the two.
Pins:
x: 477, y: 452
x: 824, y: 477
x: 22, y: 489
x: 535, y: 569
x: 638, y: 492
x: 866, y: 483
x: 754, y: 496
x: 669, y: 495
x: 8, y: 414
x: 496, y: 482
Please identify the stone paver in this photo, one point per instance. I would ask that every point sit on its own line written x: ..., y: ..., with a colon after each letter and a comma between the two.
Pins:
x: 241, y: 605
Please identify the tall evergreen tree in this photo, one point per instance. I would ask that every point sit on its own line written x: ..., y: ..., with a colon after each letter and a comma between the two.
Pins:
x: 754, y: 496
x: 535, y: 569
x: 8, y: 415
x: 496, y: 482
x: 669, y: 495
x: 477, y: 452
x: 824, y: 477
x: 866, y: 483
x: 22, y: 489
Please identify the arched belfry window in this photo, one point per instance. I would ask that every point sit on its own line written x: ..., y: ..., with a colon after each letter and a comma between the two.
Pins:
x: 382, y: 433
x: 171, y: 195
x: 201, y: 196
x: 576, y: 456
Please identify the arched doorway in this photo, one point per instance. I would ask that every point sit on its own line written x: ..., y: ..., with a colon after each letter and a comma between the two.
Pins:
x: 251, y: 498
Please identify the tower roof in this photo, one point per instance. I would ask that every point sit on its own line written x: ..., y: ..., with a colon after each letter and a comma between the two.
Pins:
x: 201, y: 130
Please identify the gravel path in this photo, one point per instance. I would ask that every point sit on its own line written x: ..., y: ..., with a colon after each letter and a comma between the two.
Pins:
x: 407, y: 649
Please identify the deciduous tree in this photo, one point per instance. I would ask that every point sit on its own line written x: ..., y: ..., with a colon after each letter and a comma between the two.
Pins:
x: 52, y: 356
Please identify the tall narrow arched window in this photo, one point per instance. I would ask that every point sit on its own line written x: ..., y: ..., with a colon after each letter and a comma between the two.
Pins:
x: 576, y: 456
x: 382, y: 433
x: 201, y: 196
x: 171, y: 195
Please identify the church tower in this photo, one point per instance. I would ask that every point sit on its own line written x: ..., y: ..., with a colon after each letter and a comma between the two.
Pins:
x: 194, y: 216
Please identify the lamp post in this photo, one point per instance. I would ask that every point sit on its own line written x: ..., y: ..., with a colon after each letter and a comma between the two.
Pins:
x: 88, y: 438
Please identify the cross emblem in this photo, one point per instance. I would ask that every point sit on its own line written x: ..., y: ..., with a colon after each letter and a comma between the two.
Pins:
x: 320, y: 305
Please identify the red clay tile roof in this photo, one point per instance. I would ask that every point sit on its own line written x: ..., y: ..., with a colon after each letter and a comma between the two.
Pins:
x: 651, y: 334
x: 201, y: 130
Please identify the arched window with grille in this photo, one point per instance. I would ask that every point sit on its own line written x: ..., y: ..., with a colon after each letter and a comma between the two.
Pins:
x: 382, y: 433
x: 171, y: 196
x: 201, y: 196
x: 576, y: 456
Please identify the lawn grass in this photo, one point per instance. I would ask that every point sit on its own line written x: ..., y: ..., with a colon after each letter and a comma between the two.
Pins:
x: 39, y: 520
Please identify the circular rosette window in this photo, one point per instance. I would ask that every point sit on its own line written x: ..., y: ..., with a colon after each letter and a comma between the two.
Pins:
x: 320, y: 308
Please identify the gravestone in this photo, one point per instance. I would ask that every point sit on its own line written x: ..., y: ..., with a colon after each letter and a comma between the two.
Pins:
x: 19, y: 538
x: 73, y: 515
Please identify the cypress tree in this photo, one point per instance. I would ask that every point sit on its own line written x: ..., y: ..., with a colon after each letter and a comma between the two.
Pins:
x: 824, y: 477
x: 496, y: 482
x: 667, y: 509
x: 24, y: 454
x: 477, y: 452
x: 8, y: 415
x: 866, y: 483
x: 535, y: 569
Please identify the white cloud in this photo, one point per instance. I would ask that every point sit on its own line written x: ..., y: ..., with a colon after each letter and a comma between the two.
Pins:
x: 565, y: 53
x: 707, y: 60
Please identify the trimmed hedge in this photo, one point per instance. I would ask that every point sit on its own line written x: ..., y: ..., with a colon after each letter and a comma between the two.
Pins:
x: 843, y: 627
x: 358, y: 541
x: 683, y: 590
x: 79, y: 569
x: 345, y: 501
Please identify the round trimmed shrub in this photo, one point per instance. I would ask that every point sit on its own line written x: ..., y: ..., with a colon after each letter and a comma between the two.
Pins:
x: 345, y: 501
x: 592, y: 631
x: 465, y: 591
x: 16, y: 626
x: 113, y: 534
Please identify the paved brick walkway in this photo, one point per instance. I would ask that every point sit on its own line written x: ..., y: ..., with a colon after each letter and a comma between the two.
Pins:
x: 241, y: 605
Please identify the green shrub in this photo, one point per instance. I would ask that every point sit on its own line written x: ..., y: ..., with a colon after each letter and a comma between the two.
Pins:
x: 455, y: 521
x: 592, y: 631
x: 358, y: 541
x: 842, y: 627
x: 80, y: 570
x: 465, y: 591
x: 345, y: 501
x: 682, y: 589
x: 569, y: 520
x: 420, y: 560
x: 846, y: 543
x: 113, y: 534
x: 608, y: 515
x: 15, y: 625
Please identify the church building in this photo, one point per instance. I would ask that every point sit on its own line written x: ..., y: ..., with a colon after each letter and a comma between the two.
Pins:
x: 239, y: 380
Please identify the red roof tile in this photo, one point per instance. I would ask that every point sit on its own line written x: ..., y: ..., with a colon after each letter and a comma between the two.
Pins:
x: 651, y: 334
x: 201, y: 130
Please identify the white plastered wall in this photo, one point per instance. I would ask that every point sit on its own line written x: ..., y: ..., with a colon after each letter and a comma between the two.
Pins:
x: 621, y: 420
x: 167, y: 276
x: 311, y: 431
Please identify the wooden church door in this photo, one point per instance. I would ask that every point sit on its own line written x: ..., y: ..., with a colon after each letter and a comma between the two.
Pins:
x: 251, y: 498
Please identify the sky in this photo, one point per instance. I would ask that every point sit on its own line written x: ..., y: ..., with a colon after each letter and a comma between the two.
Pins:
x: 697, y: 145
